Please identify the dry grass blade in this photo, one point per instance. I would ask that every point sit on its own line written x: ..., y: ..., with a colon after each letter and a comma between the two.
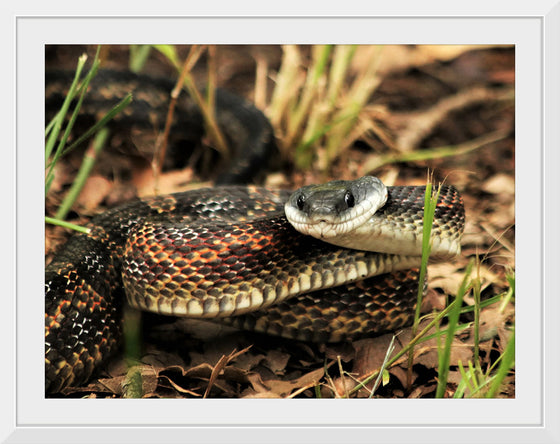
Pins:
x: 376, y: 162
x: 315, y: 106
x: 342, y: 379
x: 161, y: 143
x: 216, y: 370
x: 352, y: 105
x: 390, y: 350
x: 220, y: 366
x: 288, y: 79
x: 499, y: 238
x: 314, y: 84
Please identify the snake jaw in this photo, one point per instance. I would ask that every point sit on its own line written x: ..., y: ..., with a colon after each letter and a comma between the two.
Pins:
x: 325, y: 230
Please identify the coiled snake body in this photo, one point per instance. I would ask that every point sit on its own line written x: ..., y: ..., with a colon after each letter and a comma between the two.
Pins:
x: 230, y: 252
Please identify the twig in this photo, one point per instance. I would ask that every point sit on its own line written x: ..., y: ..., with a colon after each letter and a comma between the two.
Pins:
x: 420, y: 125
x: 161, y: 143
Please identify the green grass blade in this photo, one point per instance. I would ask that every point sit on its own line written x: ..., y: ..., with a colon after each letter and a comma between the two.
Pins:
x: 510, y: 277
x: 507, y: 363
x: 445, y: 354
x: 56, y: 123
x: 61, y: 116
x: 476, y: 286
x: 465, y: 382
x: 170, y: 52
x: 132, y: 338
x: 84, y: 172
x: 423, y: 336
x: 430, y: 203
x: 310, y: 90
x: 303, y: 153
x: 63, y: 223
x: 100, y: 124
x: 138, y: 56
x: 434, y: 153
x: 342, y: 58
x: 420, y: 337
x: 474, y: 374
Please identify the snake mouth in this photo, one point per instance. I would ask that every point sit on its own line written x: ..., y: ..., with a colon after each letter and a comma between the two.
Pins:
x: 335, y: 209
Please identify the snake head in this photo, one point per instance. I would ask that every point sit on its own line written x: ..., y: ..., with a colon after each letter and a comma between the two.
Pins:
x: 335, y: 208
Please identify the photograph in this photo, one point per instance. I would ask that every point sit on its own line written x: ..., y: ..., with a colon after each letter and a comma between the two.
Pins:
x: 295, y: 221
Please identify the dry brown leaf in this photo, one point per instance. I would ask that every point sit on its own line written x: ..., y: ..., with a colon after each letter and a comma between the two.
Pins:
x: 178, y: 388
x: 345, y: 351
x: 200, y: 371
x: 95, y: 190
x: 117, y: 384
x: 417, y: 125
x: 276, y: 361
x: 167, y: 183
x: 445, y: 276
x: 113, y: 385
x: 370, y: 354
x: 402, y: 374
x: 502, y: 184
x: 174, y: 375
x: 257, y: 383
x: 160, y: 360
x: 213, y: 351
x: 249, y: 361
x: 259, y: 395
x: 206, y: 376
x: 454, y: 377
x: 428, y: 355
x: 63, y: 175
x: 422, y: 391
x: 433, y: 300
x: 492, y: 321
x: 281, y: 389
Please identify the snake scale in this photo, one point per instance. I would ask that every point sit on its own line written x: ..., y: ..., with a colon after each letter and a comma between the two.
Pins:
x: 230, y: 252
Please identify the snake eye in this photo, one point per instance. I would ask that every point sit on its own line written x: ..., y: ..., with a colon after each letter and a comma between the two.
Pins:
x: 349, y: 199
x: 300, y: 202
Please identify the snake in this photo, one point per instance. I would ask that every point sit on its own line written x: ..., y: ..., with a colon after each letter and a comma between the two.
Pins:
x: 326, y: 263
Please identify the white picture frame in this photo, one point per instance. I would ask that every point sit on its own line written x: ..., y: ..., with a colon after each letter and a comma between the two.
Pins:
x: 531, y: 417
